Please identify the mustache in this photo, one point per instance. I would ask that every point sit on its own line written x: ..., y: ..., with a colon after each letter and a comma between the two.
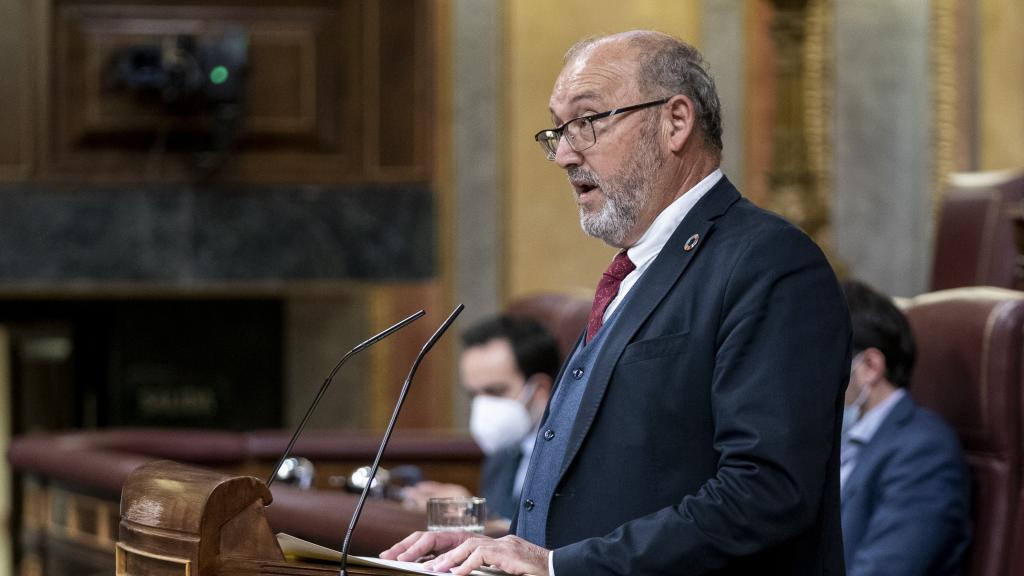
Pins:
x: 582, y: 177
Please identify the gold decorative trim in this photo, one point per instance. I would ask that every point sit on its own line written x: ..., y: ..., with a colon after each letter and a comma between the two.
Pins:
x: 944, y: 99
x: 799, y: 178
x: 819, y: 82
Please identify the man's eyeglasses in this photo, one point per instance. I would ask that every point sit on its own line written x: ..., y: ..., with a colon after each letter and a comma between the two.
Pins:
x: 579, y: 132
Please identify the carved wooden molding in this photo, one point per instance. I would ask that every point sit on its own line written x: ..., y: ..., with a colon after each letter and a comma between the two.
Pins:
x: 802, y: 146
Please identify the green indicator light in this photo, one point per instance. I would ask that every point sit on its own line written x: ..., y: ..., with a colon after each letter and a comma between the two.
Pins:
x: 219, y: 75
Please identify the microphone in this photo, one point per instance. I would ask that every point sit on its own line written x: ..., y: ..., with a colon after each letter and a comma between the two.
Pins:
x: 387, y: 433
x: 327, y: 382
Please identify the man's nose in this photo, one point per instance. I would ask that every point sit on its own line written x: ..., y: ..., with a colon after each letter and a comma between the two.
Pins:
x: 565, y: 155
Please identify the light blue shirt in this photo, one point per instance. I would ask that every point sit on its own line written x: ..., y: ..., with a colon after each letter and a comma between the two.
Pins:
x: 863, y: 431
x: 526, y: 447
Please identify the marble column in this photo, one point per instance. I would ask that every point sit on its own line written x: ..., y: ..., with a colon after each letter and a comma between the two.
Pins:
x: 477, y: 198
x: 477, y: 121
x: 722, y: 37
x: 883, y: 149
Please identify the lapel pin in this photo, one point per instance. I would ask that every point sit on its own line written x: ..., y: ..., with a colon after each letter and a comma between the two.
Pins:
x: 691, y: 242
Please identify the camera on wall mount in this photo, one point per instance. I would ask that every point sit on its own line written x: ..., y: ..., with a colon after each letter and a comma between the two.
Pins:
x: 191, y: 77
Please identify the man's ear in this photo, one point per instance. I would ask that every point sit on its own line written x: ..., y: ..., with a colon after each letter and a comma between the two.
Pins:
x: 874, y: 366
x: 681, y: 120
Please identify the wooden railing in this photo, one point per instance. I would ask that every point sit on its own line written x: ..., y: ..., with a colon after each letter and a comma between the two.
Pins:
x: 70, y: 486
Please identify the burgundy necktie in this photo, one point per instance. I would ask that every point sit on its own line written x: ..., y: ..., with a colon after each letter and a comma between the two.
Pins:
x: 607, y: 288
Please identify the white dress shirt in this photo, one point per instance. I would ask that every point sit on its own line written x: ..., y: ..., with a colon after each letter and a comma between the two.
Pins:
x: 654, y: 239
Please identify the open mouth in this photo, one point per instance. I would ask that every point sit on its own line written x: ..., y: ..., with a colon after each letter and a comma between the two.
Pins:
x: 583, y: 188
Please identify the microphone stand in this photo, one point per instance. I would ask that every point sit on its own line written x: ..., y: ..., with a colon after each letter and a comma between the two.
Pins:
x: 387, y: 433
x: 327, y: 382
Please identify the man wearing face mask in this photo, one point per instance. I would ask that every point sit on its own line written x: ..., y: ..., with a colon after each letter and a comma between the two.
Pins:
x: 507, y: 365
x: 904, y: 482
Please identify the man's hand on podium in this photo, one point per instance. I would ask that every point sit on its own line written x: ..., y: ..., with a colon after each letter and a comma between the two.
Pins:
x: 462, y: 552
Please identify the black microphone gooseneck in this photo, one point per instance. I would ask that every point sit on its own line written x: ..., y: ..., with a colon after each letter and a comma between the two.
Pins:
x: 387, y: 433
x: 327, y: 382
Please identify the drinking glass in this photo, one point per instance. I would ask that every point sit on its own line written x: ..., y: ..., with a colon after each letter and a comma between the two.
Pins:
x: 457, y: 514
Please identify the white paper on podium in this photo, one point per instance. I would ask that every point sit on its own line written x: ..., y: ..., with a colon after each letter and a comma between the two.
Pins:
x: 299, y: 549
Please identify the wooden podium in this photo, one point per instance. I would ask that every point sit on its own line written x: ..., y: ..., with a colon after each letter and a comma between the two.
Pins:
x: 185, y: 521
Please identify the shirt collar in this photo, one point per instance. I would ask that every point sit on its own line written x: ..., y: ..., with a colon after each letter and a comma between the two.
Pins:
x: 650, y: 244
x: 864, y: 430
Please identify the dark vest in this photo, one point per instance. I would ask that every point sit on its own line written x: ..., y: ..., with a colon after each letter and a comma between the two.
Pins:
x: 553, y: 436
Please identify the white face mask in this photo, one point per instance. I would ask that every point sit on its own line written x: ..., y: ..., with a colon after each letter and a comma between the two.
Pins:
x: 852, y: 412
x: 497, y: 423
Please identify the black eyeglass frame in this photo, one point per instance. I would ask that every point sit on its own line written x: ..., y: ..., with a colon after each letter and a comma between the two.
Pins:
x: 547, y: 136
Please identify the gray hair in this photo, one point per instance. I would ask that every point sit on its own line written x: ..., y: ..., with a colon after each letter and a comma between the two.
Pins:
x: 668, y: 66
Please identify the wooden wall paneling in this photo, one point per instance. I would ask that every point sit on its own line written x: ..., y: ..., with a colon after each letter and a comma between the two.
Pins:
x: 404, y: 59
x: 41, y: 62
x: 288, y: 115
x: 399, y: 89
x: 333, y: 148
x: 15, y: 92
x: 429, y: 404
x: 371, y: 85
x: 338, y: 91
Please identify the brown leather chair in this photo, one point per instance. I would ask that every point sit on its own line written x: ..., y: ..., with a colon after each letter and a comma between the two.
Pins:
x: 974, y: 242
x: 563, y: 315
x: 1017, y: 560
x: 969, y: 370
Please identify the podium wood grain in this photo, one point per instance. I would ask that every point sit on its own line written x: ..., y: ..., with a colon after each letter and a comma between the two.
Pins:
x: 179, y: 520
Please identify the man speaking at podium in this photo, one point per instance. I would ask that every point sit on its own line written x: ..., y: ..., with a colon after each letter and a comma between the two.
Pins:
x: 694, y: 429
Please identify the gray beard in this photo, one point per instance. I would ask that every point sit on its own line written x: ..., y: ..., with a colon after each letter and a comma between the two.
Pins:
x: 625, y: 195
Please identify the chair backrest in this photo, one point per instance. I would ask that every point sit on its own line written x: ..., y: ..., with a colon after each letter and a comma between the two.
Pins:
x: 563, y: 315
x: 975, y: 242
x: 969, y: 371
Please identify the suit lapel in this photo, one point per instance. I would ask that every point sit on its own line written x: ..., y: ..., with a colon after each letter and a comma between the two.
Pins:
x: 645, y: 296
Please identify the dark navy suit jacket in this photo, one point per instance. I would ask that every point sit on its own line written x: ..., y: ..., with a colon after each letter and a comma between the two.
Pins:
x: 707, y: 439
x: 906, y: 503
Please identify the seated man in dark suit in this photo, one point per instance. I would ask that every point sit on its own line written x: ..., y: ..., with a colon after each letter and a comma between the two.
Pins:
x: 507, y: 365
x: 904, y: 482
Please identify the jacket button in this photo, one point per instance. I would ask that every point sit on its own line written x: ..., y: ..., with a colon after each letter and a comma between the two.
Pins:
x: 528, y: 504
x: 549, y: 434
x: 577, y: 373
